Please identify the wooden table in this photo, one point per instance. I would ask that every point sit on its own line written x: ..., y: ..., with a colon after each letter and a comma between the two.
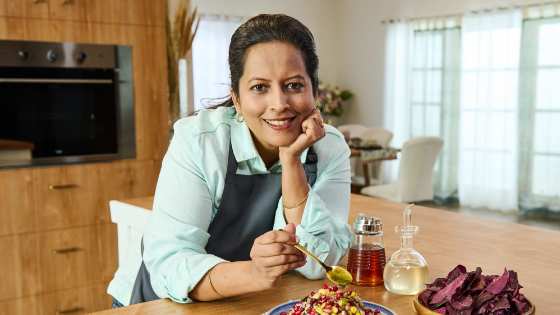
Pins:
x: 445, y: 239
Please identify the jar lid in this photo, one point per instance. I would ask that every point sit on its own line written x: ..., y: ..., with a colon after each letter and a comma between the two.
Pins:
x: 365, y: 224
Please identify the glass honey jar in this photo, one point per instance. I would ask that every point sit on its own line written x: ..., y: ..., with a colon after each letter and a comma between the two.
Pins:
x: 366, y: 259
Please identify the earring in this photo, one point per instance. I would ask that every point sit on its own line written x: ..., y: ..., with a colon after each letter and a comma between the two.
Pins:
x: 239, y: 117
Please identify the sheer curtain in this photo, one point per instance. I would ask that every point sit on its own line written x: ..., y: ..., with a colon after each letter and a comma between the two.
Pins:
x: 488, y: 153
x: 397, y: 97
x: 540, y: 106
x: 210, y: 59
x: 422, y: 90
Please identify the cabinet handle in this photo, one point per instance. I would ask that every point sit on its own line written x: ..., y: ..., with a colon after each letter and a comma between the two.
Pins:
x: 59, y: 187
x: 67, y: 2
x: 67, y: 250
x: 70, y: 310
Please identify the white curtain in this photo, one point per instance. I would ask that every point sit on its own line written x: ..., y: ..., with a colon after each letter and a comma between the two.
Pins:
x: 489, y: 135
x: 397, y: 98
x: 211, y: 76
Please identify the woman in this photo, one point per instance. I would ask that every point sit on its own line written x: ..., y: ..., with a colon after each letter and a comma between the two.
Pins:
x: 242, y: 183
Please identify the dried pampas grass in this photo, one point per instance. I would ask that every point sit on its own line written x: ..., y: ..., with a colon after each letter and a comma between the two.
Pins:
x: 180, y: 35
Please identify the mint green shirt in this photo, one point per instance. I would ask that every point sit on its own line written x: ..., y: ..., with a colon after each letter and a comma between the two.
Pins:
x: 189, y: 191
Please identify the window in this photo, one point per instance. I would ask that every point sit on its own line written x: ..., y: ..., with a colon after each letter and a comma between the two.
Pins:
x: 541, y: 95
x: 434, y: 97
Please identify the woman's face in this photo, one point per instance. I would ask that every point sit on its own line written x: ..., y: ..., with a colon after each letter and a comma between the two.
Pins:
x: 275, y: 94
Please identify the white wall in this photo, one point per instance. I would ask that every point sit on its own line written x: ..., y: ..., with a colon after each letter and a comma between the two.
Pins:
x: 362, y: 45
x: 317, y: 15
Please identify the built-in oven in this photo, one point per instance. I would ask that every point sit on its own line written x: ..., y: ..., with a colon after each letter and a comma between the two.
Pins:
x: 65, y: 103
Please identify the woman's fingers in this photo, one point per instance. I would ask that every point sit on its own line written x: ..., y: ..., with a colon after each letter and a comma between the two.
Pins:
x: 280, y: 260
x: 278, y: 236
x: 277, y: 249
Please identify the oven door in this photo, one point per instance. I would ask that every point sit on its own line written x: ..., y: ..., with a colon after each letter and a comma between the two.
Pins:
x: 62, y: 112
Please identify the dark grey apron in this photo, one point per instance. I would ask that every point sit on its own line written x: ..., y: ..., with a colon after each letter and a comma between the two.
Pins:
x: 246, y: 211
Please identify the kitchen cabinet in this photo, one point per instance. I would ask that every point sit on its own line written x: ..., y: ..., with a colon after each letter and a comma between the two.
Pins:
x: 73, y: 301
x: 68, y: 10
x: 20, y: 268
x: 139, y: 12
x: 25, y: 8
x: 58, y: 243
x: 67, y: 196
x: 132, y: 12
x: 77, y: 257
x: 16, y: 202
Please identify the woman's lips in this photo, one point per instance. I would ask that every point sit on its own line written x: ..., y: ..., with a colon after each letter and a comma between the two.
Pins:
x: 280, y: 123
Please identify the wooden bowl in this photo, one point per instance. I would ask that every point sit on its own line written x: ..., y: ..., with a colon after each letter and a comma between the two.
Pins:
x: 422, y: 310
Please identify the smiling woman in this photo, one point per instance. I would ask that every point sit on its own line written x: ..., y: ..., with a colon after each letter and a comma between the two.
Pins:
x: 242, y: 183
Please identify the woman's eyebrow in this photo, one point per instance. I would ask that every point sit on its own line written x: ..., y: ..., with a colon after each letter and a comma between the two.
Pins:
x: 297, y: 76
x: 258, y: 79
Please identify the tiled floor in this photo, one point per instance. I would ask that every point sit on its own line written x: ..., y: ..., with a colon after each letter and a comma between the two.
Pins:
x: 545, y: 220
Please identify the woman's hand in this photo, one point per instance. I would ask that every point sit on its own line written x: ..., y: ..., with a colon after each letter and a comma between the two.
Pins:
x: 312, y: 130
x: 273, y: 254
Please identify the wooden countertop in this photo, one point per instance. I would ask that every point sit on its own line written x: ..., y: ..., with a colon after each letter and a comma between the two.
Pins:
x: 445, y: 239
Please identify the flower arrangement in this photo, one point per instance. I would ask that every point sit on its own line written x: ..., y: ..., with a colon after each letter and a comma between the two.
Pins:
x: 331, y: 100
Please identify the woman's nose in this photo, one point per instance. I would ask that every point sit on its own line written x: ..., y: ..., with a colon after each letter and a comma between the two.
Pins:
x: 279, y: 101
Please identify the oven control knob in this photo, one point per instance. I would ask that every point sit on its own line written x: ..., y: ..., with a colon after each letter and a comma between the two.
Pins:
x: 23, y: 55
x: 81, y: 57
x: 52, y: 56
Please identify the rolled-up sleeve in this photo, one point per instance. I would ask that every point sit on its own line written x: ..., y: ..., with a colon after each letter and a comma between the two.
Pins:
x: 324, y: 229
x: 176, y: 237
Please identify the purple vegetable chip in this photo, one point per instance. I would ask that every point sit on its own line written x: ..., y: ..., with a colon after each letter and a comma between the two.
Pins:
x: 446, y: 293
x: 425, y: 296
x: 462, y: 303
x: 457, y: 271
x: 499, y: 284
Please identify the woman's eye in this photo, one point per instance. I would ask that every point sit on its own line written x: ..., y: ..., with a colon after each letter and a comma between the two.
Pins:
x: 294, y: 86
x: 258, y: 88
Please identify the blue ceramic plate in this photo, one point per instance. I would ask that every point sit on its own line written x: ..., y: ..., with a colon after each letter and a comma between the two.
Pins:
x: 288, y: 305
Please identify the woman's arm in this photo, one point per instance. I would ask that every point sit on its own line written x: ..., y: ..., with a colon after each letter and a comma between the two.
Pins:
x: 323, y: 228
x: 295, y: 189
x: 271, y: 256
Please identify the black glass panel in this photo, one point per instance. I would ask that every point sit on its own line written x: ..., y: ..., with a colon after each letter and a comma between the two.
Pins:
x: 60, y: 119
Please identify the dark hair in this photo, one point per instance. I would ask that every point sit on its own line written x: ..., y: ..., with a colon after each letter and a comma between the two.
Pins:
x: 265, y: 28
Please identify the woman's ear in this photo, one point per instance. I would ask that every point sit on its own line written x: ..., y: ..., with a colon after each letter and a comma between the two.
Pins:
x: 235, y: 101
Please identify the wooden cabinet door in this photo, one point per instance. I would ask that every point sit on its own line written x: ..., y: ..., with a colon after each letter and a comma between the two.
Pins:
x: 23, y: 306
x: 16, y: 202
x: 139, y: 12
x: 76, y: 257
x: 25, y: 8
x: 19, y: 266
x: 83, y: 300
x: 74, y: 301
x: 66, y: 196
x: 75, y: 10
x: 129, y: 179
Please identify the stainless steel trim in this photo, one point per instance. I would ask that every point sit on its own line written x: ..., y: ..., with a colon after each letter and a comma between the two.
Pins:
x: 57, y: 81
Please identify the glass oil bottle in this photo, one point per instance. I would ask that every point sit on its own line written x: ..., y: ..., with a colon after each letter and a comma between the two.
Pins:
x: 406, y: 273
x: 366, y: 259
